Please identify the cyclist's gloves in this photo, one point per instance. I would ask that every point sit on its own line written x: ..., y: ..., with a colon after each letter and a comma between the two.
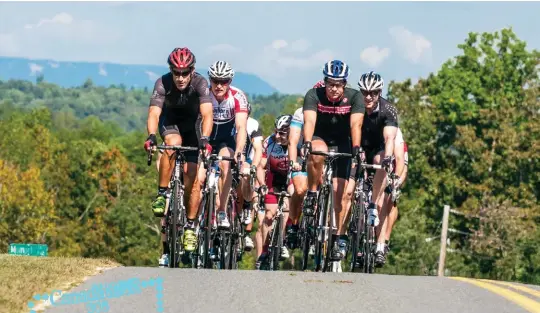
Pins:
x: 387, y: 164
x: 150, y: 141
x: 263, y: 190
x: 306, y: 147
x: 356, y: 150
x: 204, y: 146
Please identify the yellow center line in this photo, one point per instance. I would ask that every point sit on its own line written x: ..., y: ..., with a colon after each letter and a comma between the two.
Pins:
x: 526, y: 303
x: 528, y: 290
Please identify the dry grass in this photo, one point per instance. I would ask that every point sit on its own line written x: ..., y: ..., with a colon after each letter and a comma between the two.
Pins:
x: 23, y: 276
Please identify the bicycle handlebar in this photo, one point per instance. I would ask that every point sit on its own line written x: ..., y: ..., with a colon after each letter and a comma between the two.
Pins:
x: 332, y: 154
x: 280, y: 194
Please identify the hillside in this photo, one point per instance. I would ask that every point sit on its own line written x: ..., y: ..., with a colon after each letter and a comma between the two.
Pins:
x: 71, y: 74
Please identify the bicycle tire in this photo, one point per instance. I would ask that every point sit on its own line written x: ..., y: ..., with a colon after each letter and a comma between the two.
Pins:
x: 329, y: 244
x: 305, y: 240
x: 234, y: 240
x: 173, y: 228
x: 319, y: 233
x: 207, y: 244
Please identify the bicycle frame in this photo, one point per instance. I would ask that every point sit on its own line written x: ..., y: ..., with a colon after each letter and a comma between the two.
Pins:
x: 325, y: 209
x: 207, y: 212
x: 175, y: 212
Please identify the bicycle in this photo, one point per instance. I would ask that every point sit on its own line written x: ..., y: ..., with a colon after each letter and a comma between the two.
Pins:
x: 363, y: 238
x: 276, y: 232
x: 237, y: 229
x: 206, y: 244
x: 325, y: 214
x: 176, y: 210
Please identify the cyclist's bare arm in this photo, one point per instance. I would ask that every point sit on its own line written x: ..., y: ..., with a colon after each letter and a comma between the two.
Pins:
x: 310, y: 117
x: 357, y: 119
x: 156, y: 105
x: 257, y: 151
x: 294, y: 137
x: 389, y: 133
x: 261, y: 172
x: 240, y: 121
x: 207, y: 118
x: 358, y: 110
x: 399, y: 153
x: 153, y: 119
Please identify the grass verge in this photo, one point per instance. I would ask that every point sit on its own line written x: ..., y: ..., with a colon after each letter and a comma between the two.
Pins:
x: 24, y: 276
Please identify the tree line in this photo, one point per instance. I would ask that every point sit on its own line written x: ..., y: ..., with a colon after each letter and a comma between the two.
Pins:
x: 73, y: 172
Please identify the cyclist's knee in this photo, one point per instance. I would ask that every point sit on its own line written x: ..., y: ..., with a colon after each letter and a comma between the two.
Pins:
x: 172, y: 140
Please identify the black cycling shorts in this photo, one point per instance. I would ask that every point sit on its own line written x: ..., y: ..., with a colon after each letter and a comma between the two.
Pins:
x: 190, y: 136
x: 343, y: 165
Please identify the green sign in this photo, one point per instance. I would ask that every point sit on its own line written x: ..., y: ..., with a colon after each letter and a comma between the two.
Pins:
x: 28, y: 249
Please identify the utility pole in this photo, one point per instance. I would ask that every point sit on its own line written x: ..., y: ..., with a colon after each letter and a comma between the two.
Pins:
x: 444, y: 233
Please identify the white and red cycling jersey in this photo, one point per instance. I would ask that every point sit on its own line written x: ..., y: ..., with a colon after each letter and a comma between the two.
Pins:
x: 235, y: 101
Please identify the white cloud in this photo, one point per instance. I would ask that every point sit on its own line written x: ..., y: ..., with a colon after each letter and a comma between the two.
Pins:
x: 61, y: 18
x: 102, y: 70
x: 54, y: 65
x: 416, y: 48
x: 300, y: 45
x: 279, y: 44
x: 35, y: 68
x: 222, y: 48
x: 280, y: 58
x: 151, y: 75
x: 374, y: 56
x: 60, y: 37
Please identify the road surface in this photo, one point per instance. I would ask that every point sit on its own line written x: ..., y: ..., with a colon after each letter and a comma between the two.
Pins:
x: 214, y: 291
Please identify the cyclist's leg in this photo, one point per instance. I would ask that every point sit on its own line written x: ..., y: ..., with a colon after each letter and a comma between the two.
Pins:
x: 392, y: 217
x: 378, y: 197
x: 259, y: 236
x: 299, y: 181
x: 315, y: 171
x: 270, y: 204
x: 340, y: 182
x: 225, y: 182
x: 171, y: 136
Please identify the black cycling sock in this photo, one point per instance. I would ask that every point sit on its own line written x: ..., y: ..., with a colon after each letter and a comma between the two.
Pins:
x: 247, y: 204
x: 344, y: 237
x: 165, y: 247
x: 162, y: 190
x: 295, y: 227
x: 190, y: 223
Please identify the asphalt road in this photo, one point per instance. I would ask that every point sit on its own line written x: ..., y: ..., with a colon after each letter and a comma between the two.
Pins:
x: 213, y: 291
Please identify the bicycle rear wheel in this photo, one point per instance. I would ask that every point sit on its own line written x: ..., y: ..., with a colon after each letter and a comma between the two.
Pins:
x: 276, y: 243
x: 306, y: 239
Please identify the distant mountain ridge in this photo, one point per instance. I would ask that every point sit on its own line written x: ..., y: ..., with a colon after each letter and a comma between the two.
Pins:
x: 71, y: 74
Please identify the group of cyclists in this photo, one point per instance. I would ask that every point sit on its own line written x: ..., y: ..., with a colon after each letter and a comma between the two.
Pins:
x: 187, y: 110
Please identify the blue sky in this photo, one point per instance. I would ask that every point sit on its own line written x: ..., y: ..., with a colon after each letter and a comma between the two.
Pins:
x: 285, y: 43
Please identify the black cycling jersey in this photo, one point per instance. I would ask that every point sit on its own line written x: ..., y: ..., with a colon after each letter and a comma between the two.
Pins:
x: 372, y: 129
x: 333, y: 118
x: 180, y: 107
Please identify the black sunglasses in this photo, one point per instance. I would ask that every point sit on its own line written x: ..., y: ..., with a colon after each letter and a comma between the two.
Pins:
x: 220, y: 81
x: 373, y: 93
x: 181, y: 73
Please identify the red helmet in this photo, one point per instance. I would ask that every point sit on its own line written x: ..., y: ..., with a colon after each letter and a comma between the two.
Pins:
x: 181, y: 58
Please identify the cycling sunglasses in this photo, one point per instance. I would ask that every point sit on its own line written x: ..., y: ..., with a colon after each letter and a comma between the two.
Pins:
x: 282, y: 133
x: 181, y: 73
x: 373, y: 93
x: 220, y: 81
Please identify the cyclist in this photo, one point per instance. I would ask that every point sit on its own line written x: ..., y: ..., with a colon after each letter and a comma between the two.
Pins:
x: 400, y: 168
x: 333, y: 117
x: 252, y: 153
x: 275, y: 178
x: 401, y: 164
x: 181, y: 100
x: 230, y: 108
x: 378, y: 142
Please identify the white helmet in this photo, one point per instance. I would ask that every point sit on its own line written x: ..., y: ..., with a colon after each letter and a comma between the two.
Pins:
x: 283, y: 122
x: 221, y: 70
x: 371, y: 81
